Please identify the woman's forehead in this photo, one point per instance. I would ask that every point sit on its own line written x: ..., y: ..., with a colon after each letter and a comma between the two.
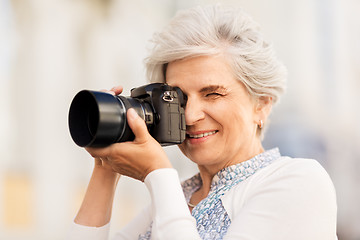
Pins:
x: 200, y: 72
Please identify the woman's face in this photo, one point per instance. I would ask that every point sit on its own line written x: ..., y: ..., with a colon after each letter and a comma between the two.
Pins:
x: 220, y: 115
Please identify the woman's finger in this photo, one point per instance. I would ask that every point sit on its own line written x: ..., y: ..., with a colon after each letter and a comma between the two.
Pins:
x: 137, y: 125
x: 107, y: 91
x: 99, y: 152
x: 117, y: 90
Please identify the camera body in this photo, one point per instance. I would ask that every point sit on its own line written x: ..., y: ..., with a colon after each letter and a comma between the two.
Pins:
x: 166, y: 123
x: 98, y: 119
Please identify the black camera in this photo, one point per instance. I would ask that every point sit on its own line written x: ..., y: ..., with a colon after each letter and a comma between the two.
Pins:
x: 98, y: 119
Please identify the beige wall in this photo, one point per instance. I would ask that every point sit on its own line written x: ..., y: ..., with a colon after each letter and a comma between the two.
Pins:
x: 49, y: 50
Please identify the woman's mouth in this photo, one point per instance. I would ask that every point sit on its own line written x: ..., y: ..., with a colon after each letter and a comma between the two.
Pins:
x: 199, y: 137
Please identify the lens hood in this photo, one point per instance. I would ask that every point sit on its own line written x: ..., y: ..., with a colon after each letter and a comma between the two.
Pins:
x: 96, y: 119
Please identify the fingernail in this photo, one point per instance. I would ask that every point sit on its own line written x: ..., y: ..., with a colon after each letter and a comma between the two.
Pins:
x: 132, y: 114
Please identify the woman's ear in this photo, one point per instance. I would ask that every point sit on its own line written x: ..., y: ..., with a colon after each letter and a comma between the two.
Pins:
x: 263, y: 108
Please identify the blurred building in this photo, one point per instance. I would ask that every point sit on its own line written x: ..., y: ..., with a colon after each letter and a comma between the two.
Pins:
x: 49, y: 50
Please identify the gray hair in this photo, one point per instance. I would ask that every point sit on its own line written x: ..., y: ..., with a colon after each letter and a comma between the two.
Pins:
x: 213, y: 30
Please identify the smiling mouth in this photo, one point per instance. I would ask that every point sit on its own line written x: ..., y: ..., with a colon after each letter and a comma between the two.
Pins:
x: 196, y: 136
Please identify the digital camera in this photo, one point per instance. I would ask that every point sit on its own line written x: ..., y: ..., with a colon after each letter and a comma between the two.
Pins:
x: 98, y: 119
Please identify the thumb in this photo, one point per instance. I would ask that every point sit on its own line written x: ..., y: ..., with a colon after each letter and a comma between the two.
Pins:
x: 137, y: 125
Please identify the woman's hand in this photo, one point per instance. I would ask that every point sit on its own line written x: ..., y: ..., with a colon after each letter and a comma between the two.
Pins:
x: 134, y: 159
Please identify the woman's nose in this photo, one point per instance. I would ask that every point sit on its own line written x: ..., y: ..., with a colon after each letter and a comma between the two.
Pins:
x: 193, y: 112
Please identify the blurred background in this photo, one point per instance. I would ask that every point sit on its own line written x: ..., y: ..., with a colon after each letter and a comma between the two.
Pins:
x: 51, y: 49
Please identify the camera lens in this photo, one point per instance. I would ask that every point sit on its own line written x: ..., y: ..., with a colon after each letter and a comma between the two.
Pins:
x: 98, y: 119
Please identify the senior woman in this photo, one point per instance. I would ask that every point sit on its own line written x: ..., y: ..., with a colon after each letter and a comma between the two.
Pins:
x: 231, y: 78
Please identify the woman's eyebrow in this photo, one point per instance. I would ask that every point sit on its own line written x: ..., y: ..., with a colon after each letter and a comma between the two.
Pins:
x: 212, y: 88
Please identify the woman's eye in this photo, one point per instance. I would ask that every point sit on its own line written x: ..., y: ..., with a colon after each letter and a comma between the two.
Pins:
x: 214, y: 94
